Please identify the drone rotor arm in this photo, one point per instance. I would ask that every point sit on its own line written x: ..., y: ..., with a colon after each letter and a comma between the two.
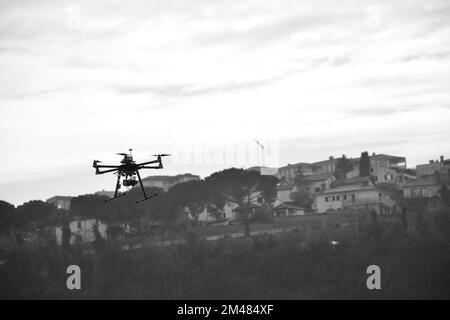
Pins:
x: 148, y: 162
x: 106, y: 166
x: 106, y: 171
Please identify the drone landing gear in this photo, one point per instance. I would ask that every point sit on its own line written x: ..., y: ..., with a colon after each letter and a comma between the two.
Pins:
x: 146, y: 198
x: 143, y: 189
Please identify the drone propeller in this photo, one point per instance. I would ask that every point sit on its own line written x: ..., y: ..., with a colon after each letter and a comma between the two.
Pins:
x: 122, y: 154
x: 161, y: 155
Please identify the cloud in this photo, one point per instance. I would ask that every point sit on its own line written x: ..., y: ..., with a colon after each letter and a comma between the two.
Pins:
x: 322, y: 77
x: 189, y: 90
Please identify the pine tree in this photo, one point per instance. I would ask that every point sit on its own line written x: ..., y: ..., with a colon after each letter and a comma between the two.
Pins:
x: 364, y: 165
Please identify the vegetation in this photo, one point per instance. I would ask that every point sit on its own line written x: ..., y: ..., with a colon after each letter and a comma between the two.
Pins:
x: 243, y: 188
x: 343, y: 166
x: 364, y: 165
x: 298, y: 265
x: 301, y: 195
x: 445, y: 195
x: 6, y: 217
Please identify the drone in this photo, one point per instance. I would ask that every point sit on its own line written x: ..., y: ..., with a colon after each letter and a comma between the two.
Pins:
x: 128, y: 169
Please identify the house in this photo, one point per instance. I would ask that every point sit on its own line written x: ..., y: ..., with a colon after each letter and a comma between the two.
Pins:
x: 211, y: 213
x: 284, y: 191
x: 82, y: 230
x: 356, y: 193
x: 387, y: 161
x: 166, y: 182
x: 326, y: 166
x: 60, y: 202
x: 316, y: 183
x: 288, y: 209
x: 319, y: 182
x: 289, y: 172
x: 355, y: 181
x: 430, y: 179
x: 384, y: 169
x: 425, y: 187
x: 441, y: 167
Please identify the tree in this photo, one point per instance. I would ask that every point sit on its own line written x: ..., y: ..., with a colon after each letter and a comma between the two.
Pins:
x: 343, y: 166
x: 445, y: 195
x: 301, y: 195
x: 35, y: 213
x: 243, y: 188
x: 89, y: 206
x: 192, y: 194
x: 364, y: 165
x: 66, y: 233
x: 6, y: 217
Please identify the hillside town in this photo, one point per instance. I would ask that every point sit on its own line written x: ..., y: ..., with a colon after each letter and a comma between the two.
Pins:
x: 377, y: 183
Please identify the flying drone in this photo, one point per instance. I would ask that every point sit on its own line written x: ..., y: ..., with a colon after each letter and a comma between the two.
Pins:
x: 128, y: 169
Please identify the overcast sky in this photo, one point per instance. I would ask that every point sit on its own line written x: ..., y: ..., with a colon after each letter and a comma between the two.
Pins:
x: 81, y: 80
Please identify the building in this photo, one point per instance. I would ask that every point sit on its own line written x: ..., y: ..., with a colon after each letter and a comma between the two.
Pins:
x: 60, y: 202
x: 441, y: 167
x: 430, y: 179
x: 356, y: 193
x: 288, y: 209
x: 319, y: 182
x: 384, y: 169
x: 326, y: 166
x: 284, y: 191
x: 427, y: 187
x: 82, y: 230
x: 166, y: 182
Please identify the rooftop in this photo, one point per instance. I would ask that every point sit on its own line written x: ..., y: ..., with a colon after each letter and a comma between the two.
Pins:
x: 348, y: 188
x: 428, y: 181
x: 318, y: 177
x: 288, y: 205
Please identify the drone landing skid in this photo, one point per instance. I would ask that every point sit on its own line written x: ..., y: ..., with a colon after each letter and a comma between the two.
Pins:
x: 146, y: 198
x: 119, y: 196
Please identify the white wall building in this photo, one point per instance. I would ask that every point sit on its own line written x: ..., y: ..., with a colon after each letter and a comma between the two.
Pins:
x: 352, y: 196
x: 83, y: 229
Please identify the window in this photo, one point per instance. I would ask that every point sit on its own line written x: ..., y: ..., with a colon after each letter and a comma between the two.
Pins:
x: 323, y: 186
x: 345, y: 197
x: 372, y: 170
x: 333, y: 198
x: 353, y: 197
x: 424, y: 192
x: 380, y: 196
x: 338, y: 198
x: 317, y: 189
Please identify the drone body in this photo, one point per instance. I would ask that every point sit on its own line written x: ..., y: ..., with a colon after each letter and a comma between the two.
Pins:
x: 128, y: 169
